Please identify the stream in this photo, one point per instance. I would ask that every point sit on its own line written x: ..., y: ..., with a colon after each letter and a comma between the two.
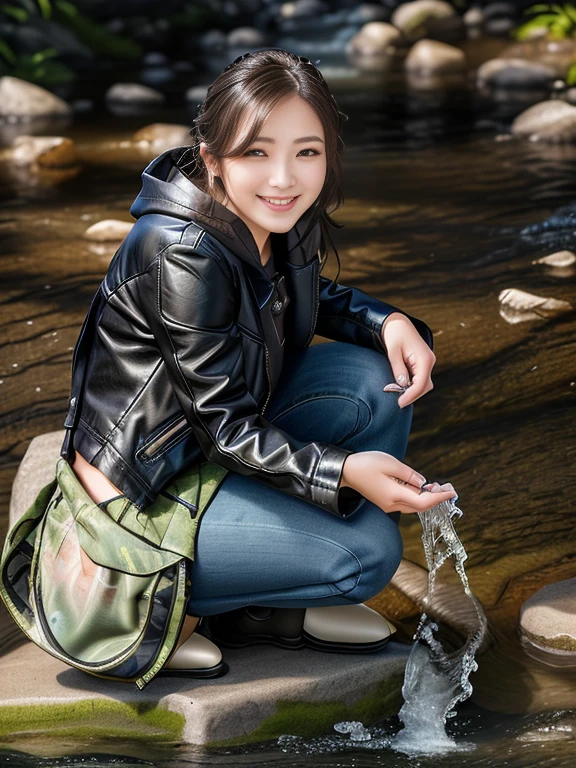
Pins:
x: 435, y: 222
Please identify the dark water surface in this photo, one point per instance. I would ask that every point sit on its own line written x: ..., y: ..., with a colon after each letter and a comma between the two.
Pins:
x: 433, y: 217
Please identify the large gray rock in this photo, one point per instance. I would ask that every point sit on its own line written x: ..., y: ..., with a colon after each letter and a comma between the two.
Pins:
x: 267, y: 692
x: 158, y: 137
x: 432, y: 57
x: 428, y: 18
x: 22, y: 100
x: 552, y: 121
x: 374, y: 39
x: 37, y: 469
x: 514, y: 73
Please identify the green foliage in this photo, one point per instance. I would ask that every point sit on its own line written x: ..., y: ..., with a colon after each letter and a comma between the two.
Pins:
x: 571, y: 76
x: 559, y: 21
x: 40, y: 68
x: 96, y: 37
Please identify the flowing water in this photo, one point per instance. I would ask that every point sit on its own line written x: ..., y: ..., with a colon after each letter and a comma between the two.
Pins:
x: 440, y: 216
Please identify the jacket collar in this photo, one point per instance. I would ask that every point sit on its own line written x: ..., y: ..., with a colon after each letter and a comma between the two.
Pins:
x: 165, y: 189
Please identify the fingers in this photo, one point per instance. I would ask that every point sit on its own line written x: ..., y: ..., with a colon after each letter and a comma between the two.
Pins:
x: 402, y: 472
x: 414, y: 501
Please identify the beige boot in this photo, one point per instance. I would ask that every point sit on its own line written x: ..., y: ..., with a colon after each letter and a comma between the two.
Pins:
x: 196, y: 657
x: 346, y: 628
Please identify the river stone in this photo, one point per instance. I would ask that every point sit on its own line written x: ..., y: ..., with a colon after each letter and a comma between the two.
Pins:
x: 373, y: 39
x: 548, y: 622
x: 247, y: 37
x: 302, y: 8
x: 162, y: 136
x: 428, y: 18
x: 432, y: 57
x: 133, y: 93
x: 517, y: 306
x: 37, y: 469
x: 551, y: 121
x: 559, y: 259
x: 108, y: 230
x: 514, y: 73
x: 24, y: 100
x: 367, y: 12
x: 45, y: 151
x: 559, y: 55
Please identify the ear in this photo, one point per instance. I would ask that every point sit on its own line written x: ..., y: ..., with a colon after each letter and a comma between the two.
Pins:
x: 209, y: 159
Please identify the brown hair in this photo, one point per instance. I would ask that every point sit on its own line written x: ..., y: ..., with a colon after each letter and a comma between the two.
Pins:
x: 260, y: 80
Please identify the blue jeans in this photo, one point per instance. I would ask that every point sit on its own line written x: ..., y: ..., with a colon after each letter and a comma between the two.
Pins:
x: 259, y: 546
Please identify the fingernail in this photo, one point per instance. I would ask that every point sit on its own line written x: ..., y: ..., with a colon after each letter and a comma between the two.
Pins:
x: 401, y: 379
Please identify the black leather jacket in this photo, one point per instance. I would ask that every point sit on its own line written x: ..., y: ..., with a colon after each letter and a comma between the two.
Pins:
x: 179, y: 352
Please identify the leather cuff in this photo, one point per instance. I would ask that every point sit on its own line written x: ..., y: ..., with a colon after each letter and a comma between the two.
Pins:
x: 326, y: 491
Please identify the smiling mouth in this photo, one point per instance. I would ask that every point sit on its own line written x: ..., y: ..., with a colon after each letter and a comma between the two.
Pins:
x: 279, y: 201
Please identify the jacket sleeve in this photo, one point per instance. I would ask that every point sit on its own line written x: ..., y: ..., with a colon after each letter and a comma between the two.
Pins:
x: 349, y: 314
x: 189, y: 300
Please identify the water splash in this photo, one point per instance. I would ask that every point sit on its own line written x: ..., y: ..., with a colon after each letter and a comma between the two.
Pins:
x: 435, y: 681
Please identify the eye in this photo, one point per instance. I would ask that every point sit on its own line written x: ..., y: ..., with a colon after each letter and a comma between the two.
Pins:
x: 250, y: 151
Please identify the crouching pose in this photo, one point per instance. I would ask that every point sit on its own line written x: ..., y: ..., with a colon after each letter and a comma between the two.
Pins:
x: 199, y: 351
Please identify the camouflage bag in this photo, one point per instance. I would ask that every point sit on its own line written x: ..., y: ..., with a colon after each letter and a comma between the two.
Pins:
x: 106, y: 591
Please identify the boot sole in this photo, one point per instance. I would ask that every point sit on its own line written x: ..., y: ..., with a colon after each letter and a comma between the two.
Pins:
x: 218, y: 670
x: 305, y: 641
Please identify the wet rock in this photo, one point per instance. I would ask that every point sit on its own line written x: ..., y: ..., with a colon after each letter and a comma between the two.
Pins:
x: 155, y: 59
x: 514, y: 73
x: 44, y: 151
x: 428, y: 18
x: 560, y: 259
x: 374, y: 39
x: 196, y: 95
x: 212, y: 41
x: 367, y: 12
x: 134, y: 93
x: 547, y: 624
x: 25, y: 101
x: 499, y: 19
x: 301, y: 8
x: 162, y: 136
x: 246, y: 37
x: 559, y: 55
x: 402, y: 601
x: 432, y: 57
x: 157, y: 76
x: 108, y: 230
x: 552, y: 121
x: 474, y: 17
x: 517, y: 306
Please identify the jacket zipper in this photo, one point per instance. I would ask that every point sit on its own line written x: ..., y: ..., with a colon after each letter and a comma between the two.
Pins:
x: 268, y: 375
x: 163, y: 438
x: 316, y: 305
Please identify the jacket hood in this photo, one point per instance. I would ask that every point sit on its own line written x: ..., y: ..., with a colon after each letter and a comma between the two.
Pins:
x: 166, y: 190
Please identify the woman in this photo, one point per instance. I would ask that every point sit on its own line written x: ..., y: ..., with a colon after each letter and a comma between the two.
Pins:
x: 199, y: 348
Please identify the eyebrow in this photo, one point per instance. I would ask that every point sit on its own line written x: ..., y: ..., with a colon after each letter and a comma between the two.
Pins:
x: 302, y: 140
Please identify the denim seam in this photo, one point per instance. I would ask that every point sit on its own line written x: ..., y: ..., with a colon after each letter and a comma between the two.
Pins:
x: 353, y: 431
x: 311, y: 536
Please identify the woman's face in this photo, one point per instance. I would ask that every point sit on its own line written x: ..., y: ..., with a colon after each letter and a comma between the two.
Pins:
x: 287, y: 160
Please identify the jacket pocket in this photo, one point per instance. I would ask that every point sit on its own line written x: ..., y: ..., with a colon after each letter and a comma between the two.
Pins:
x: 160, y: 441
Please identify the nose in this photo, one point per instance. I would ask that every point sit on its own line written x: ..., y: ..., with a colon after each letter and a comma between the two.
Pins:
x: 282, y: 176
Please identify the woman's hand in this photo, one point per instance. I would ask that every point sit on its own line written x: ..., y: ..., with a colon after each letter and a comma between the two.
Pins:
x: 410, y: 357
x: 390, y: 484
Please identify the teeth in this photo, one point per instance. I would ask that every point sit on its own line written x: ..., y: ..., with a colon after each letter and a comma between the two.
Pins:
x: 277, y: 202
